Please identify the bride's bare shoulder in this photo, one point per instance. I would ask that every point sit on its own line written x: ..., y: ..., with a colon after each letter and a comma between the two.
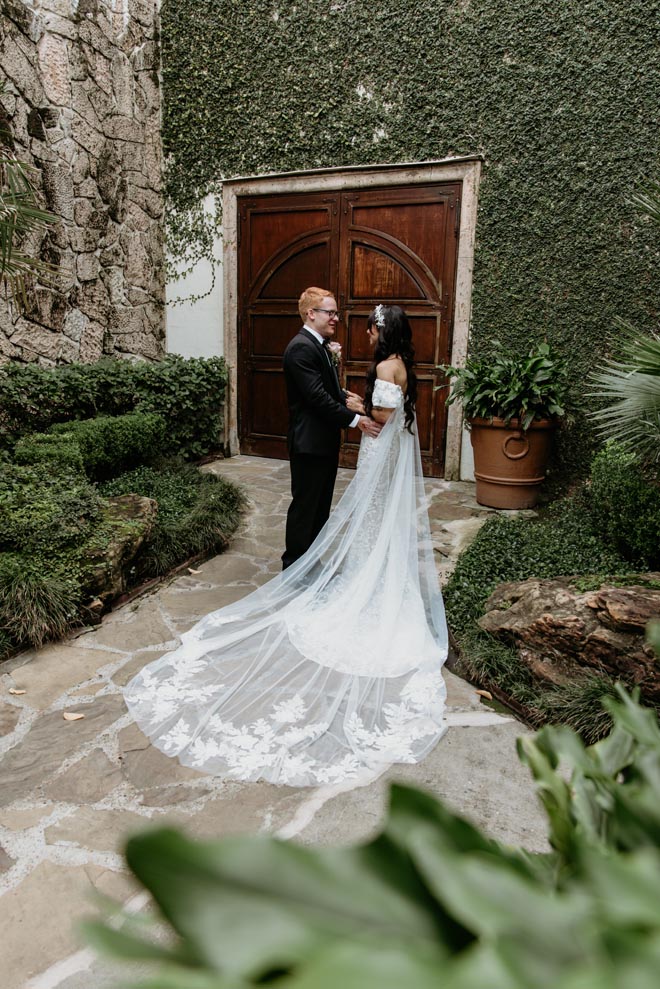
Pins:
x: 392, y: 369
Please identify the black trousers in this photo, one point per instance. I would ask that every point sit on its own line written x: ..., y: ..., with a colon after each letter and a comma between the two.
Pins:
x: 312, y: 486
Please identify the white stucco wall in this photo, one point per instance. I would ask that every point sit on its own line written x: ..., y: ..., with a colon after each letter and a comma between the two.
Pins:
x: 467, y: 457
x: 195, y: 329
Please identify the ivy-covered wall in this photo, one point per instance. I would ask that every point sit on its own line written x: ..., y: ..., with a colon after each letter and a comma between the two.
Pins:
x: 561, y: 98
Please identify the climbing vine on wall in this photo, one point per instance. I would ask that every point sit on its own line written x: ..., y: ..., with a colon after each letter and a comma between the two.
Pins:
x: 560, y: 98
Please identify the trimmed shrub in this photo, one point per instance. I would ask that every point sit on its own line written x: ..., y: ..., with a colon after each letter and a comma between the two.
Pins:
x: 187, y: 393
x: 61, y: 452
x: 42, y: 510
x: 506, y: 549
x: 625, y: 506
x: 197, y: 513
x: 110, y: 444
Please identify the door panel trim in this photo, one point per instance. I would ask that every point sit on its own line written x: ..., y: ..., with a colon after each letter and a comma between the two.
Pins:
x: 333, y: 181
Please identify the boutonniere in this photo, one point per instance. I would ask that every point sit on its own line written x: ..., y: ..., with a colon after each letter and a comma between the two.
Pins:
x: 334, y: 349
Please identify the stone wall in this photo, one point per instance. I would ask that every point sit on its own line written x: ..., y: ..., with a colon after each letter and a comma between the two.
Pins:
x: 82, y: 103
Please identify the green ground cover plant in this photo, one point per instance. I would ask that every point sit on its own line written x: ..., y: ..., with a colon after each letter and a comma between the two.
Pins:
x: 101, y: 447
x: 624, y: 504
x: 55, y: 529
x: 562, y: 543
x: 432, y: 900
x: 62, y: 429
x: 42, y: 511
x: 197, y: 513
x: 565, y: 542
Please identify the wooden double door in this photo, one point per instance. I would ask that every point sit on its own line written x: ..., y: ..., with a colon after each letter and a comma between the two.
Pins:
x: 392, y: 245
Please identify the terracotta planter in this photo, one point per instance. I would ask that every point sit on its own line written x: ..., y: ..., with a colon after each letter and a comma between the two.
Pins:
x: 509, y: 464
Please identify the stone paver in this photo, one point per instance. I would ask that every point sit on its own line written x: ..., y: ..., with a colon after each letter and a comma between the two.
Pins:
x: 71, y: 791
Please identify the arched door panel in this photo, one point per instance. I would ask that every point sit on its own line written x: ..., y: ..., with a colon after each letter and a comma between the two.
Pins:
x: 395, y: 245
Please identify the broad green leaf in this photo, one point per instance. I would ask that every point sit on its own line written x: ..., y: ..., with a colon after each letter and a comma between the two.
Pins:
x: 216, y: 894
x: 371, y: 966
x: 491, y: 898
x: 174, y: 977
x: 626, y: 886
x: 480, y: 967
x: 123, y: 943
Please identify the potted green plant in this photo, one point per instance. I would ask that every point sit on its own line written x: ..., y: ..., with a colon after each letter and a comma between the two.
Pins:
x: 511, y: 405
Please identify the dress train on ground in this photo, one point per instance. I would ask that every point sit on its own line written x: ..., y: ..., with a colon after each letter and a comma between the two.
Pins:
x: 334, y: 666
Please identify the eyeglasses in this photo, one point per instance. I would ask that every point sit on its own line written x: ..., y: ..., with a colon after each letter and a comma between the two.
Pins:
x: 331, y: 313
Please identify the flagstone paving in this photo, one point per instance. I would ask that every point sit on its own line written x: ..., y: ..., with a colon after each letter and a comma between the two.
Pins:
x: 72, y: 790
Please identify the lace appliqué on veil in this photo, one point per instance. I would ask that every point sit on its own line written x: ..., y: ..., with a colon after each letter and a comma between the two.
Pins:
x: 277, y: 746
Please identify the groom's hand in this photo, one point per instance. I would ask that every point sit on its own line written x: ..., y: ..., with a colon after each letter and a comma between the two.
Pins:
x: 354, y: 402
x: 368, y: 426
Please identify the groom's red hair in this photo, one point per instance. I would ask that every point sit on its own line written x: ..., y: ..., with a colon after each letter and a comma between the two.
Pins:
x: 311, y: 298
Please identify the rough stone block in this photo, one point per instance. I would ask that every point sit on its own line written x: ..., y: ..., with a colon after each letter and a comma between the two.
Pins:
x: 54, y: 61
x: 51, y: 740
x: 97, y: 830
x: 87, y: 781
x: 56, y: 668
x: 87, y: 267
x: 91, y: 342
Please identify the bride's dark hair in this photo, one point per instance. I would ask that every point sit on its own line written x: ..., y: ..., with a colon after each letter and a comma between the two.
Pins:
x: 394, y: 337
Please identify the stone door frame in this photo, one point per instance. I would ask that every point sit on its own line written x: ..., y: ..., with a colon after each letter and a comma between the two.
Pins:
x: 466, y: 170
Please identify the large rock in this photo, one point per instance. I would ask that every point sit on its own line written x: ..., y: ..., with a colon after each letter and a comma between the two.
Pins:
x: 132, y: 518
x: 560, y: 631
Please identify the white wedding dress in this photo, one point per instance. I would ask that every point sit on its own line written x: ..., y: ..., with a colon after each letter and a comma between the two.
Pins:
x: 333, y: 667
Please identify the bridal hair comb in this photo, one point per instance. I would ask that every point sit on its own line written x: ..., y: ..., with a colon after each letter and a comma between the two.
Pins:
x: 379, y: 316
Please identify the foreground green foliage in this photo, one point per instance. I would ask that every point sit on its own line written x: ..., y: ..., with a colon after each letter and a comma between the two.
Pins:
x: 187, y: 394
x: 197, y: 513
x: 431, y: 901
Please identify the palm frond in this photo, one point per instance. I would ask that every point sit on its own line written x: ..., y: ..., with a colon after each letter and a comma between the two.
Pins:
x: 20, y: 217
x: 648, y: 200
x: 631, y: 388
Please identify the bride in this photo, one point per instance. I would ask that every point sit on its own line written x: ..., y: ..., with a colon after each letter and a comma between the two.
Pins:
x: 333, y: 668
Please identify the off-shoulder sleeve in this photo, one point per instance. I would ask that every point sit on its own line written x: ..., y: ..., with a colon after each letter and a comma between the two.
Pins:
x: 386, y: 395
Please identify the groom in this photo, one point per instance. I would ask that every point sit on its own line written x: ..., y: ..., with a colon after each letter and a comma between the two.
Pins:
x: 318, y: 411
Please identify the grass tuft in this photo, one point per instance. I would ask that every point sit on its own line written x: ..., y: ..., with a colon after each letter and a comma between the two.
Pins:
x: 35, y: 604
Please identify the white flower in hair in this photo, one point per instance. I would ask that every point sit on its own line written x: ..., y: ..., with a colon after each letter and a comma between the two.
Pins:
x: 379, y: 315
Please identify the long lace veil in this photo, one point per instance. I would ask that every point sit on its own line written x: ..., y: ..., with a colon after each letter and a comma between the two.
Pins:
x: 331, y: 667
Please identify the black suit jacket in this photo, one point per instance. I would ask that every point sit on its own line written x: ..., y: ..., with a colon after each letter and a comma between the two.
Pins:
x: 317, y: 403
